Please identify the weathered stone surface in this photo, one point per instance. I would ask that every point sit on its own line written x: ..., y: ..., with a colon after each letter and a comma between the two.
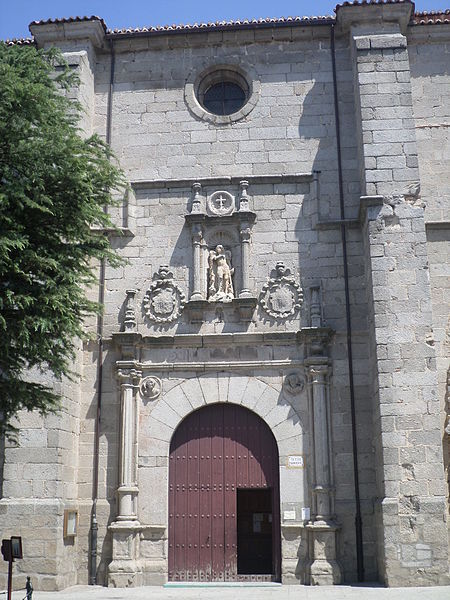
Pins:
x: 393, y: 87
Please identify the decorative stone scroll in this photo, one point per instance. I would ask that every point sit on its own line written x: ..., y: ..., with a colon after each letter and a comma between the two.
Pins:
x: 150, y: 388
x: 281, y: 297
x: 164, y: 301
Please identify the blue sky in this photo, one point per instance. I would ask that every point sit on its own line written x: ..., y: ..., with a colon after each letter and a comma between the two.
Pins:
x: 15, y: 15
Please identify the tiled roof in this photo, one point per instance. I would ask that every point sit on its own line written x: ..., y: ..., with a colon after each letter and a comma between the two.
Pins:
x: 20, y: 42
x: 220, y: 25
x: 431, y: 18
x: 366, y: 2
x: 71, y: 20
x: 419, y: 18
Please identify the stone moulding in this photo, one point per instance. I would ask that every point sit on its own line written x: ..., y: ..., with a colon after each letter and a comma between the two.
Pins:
x: 222, y: 181
x: 317, y: 336
x: 164, y: 300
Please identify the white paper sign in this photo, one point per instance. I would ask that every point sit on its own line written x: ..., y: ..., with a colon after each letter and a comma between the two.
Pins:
x: 295, y: 462
x: 289, y: 515
x: 306, y: 513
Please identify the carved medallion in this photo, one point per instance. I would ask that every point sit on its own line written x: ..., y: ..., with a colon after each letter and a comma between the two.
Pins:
x: 150, y: 388
x: 164, y: 300
x: 281, y: 296
x: 221, y: 204
x: 294, y: 383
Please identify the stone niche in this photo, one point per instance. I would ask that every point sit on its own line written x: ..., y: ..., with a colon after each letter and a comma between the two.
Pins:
x: 221, y: 224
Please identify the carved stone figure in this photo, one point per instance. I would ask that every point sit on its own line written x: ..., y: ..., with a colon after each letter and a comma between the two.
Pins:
x: 150, y: 388
x: 294, y: 383
x: 164, y: 300
x: 281, y: 296
x: 220, y: 282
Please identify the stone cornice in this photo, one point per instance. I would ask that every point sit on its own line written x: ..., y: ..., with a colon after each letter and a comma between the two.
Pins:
x: 374, y: 17
x: 216, y: 181
x: 204, y: 366
x: 57, y: 32
x: 186, y: 340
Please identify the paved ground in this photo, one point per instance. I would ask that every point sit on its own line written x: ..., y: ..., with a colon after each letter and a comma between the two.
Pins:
x: 249, y: 592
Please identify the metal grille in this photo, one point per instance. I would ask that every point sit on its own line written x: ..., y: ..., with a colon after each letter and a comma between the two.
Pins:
x: 224, y: 98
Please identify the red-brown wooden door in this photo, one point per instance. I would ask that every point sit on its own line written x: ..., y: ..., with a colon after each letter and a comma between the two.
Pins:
x: 216, y: 450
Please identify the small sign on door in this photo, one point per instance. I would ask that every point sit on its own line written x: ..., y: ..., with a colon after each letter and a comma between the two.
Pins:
x: 295, y: 462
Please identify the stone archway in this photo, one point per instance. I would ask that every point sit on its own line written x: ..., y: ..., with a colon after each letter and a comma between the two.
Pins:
x: 224, y: 501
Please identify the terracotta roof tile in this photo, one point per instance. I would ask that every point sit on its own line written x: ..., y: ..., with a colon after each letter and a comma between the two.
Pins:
x: 368, y: 2
x: 71, y: 20
x: 236, y: 24
x: 20, y: 42
x: 431, y: 18
x: 419, y: 18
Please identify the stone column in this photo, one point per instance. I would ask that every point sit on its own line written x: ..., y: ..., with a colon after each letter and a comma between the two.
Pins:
x: 125, y: 570
x: 245, y: 234
x: 318, y: 374
x: 197, y: 238
x: 411, y: 512
x: 324, y: 568
x: 127, y: 490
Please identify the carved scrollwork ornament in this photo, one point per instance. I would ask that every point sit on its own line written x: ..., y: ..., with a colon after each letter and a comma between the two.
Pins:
x: 281, y: 297
x: 294, y: 383
x: 164, y: 300
x: 150, y: 388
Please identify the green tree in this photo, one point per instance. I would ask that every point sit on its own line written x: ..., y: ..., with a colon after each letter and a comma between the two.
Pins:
x: 54, y: 186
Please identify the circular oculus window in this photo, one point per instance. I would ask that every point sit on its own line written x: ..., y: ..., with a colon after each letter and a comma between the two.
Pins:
x: 222, y: 94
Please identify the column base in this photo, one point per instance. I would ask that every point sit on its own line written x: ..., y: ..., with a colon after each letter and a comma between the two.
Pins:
x: 125, y: 570
x: 323, y: 568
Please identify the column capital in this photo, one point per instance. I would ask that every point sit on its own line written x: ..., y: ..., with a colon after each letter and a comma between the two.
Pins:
x: 318, y: 373
x: 245, y: 233
x: 129, y: 377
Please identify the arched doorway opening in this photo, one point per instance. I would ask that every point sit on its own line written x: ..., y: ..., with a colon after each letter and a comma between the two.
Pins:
x: 224, y: 498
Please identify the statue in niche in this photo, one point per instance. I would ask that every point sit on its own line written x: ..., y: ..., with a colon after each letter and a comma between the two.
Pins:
x: 220, y: 282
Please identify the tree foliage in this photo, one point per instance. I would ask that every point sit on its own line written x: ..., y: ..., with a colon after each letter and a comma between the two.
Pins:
x: 53, y: 188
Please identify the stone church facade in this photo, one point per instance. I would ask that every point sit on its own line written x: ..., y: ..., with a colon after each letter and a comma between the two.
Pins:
x: 267, y: 397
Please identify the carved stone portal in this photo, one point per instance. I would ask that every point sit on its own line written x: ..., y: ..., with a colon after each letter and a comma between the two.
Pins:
x: 281, y: 296
x: 164, y: 300
x: 220, y: 282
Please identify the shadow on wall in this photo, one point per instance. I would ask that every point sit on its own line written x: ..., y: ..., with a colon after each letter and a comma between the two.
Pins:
x: 108, y: 473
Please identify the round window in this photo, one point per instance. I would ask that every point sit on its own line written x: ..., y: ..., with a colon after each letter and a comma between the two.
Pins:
x: 222, y: 94
x: 224, y: 98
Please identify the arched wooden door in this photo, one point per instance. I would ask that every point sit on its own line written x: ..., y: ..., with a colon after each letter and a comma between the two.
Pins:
x: 224, y: 507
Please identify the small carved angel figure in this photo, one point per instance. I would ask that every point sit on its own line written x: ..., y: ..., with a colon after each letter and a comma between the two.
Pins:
x: 220, y: 284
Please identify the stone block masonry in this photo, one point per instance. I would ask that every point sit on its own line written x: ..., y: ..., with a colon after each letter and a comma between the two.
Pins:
x: 253, y: 196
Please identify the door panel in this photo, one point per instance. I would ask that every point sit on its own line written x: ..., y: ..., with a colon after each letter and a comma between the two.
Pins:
x: 216, y: 450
